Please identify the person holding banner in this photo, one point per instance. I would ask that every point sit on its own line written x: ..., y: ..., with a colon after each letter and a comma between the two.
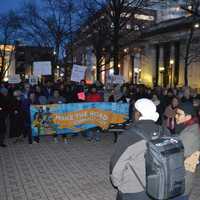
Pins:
x: 56, y: 98
x: 17, y: 118
x: 93, y: 96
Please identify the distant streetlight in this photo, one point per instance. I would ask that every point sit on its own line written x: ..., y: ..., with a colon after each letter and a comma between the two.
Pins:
x: 196, y: 25
x: 171, y: 62
x: 171, y: 71
x: 125, y: 50
x: 58, y: 67
x: 161, y: 69
x: 54, y: 52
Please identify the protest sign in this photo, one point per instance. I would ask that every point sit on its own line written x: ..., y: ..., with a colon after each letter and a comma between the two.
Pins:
x: 33, y: 80
x: 42, y: 68
x: 75, y: 117
x: 81, y: 96
x: 78, y: 73
x: 115, y: 79
x: 14, y: 79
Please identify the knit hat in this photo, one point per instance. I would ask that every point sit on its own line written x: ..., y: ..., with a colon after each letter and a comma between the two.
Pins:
x: 187, y: 107
x: 147, y: 109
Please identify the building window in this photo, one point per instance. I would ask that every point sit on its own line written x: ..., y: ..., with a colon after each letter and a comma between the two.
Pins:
x: 144, y: 17
x: 128, y: 26
x: 136, y: 28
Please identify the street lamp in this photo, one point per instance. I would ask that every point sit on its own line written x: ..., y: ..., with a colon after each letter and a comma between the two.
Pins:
x: 161, y: 70
x: 196, y: 25
x: 171, y: 71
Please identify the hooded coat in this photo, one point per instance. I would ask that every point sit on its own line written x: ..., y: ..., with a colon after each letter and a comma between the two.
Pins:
x: 130, y: 150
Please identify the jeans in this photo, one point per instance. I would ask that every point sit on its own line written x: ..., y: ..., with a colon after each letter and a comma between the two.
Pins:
x: 142, y: 196
x: 93, y: 134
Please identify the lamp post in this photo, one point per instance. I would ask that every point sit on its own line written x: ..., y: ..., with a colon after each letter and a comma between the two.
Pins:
x: 171, y: 72
x: 161, y: 69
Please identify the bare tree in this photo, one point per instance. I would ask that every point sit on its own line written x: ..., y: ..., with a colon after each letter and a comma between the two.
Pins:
x: 10, y: 24
x: 50, y: 25
x: 119, y: 13
x: 97, y: 34
x: 192, y: 53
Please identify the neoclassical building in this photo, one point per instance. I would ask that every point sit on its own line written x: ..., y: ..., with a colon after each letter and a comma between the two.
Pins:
x: 161, y: 56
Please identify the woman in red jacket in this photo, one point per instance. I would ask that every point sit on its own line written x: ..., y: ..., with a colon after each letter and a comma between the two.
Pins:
x: 93, y: 96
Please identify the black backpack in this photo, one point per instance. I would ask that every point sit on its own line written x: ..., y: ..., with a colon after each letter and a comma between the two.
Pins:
x: 165, y: 171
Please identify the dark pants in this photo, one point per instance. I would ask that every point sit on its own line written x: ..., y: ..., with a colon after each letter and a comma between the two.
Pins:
x: 2, y: 137
x: 142, y: 196
x: 2, y: 130
x: 27, y: 133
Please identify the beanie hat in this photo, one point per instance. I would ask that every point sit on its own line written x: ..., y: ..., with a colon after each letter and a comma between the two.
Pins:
x: 187, y: 107
x: 147, y: 109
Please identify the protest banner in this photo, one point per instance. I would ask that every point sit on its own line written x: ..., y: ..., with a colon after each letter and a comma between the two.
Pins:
x: 42, y: 68
x: 75, y: 117
x: 14, y: 79
x: 78, y: 73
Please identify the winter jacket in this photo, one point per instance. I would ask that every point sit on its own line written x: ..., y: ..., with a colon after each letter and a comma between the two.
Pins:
x: 94, y: 97
x: 130, y: 150
x: 190, y: 136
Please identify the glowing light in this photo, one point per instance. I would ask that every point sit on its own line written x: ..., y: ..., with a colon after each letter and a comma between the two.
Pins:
x: 161, y: 69
x: 125, y: 50
x: 111, y: 71
x: 196, y: 25
x: 171, y: 62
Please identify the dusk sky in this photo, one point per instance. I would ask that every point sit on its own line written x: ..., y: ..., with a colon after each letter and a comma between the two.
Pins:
x: 6, y: 5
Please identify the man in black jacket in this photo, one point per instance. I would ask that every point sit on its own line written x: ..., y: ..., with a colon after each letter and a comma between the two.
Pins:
x: 3, y: 115
x: 130, y: 151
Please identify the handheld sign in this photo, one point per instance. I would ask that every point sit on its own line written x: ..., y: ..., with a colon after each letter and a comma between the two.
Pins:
x: 14, y: 79
x: 78, y: 73
x: 81, y: 96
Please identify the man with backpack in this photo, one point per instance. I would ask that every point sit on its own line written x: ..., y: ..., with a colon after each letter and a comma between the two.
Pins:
x: 139, y: 166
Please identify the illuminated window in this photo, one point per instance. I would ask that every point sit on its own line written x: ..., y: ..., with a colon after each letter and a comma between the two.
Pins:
x: 124, y: 14
x: 144, y: 17
x: 128, y: 26
x: 136, y: 28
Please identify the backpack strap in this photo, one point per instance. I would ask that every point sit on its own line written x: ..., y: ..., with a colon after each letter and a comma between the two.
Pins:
x: 136, y: 175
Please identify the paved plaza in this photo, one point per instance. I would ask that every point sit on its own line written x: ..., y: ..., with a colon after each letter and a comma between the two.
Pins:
x: 48, y: 171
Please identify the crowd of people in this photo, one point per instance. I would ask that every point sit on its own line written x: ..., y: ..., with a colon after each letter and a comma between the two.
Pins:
x: 15, y: 101
x: 176, y: 110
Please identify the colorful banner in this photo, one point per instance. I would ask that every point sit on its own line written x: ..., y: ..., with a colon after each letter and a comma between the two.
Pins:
x: 75, y: 117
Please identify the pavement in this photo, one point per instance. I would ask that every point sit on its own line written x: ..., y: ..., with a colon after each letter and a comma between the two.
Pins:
x: 78, y: 170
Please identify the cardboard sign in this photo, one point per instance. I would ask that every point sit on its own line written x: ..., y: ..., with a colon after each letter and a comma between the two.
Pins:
x: 191, y: 162
x: 33, y: 80
x: 42, y: 68
x: 81, y: 95
x: 14, y: 79
x: 78, y: 73
x: 115, y: 79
